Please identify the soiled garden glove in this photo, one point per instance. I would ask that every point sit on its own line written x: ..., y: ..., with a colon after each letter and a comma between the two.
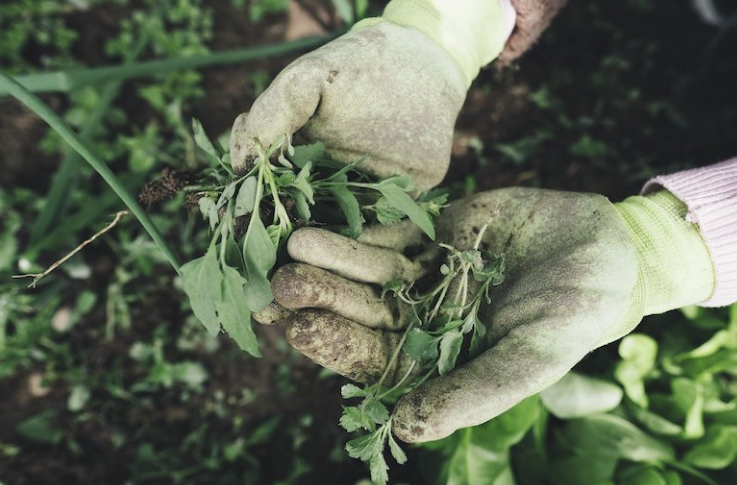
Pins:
x: 581, y: 272
x: 389, y: 90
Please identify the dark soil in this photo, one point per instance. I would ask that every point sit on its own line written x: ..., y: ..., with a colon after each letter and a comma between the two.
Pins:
x: 653, y: 87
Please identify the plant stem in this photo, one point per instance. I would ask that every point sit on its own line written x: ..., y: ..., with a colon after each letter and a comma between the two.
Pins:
x: 44, y: 112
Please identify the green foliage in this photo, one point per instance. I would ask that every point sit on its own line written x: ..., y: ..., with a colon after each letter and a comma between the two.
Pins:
x: 433, y: 341
x: 231, y: 280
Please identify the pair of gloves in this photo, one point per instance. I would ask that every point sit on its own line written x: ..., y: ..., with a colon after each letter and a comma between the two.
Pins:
x: 581, y: 271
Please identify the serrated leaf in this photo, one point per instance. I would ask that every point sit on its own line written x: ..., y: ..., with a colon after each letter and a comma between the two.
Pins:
x: 246, y: 199
x: 450, y: 347
x: 386, y: 213
x: 397, y: 451
x: 349, y: 391
x: 354, y: 418
x: 364, y: 447
x: 376, y: 411
x: 234, y: 314
x: 379, y: 469
x: 307, y: 153
x: 403, y: 202
x: 202, y: 280
x: 349, y: 206
x: 421, y: 347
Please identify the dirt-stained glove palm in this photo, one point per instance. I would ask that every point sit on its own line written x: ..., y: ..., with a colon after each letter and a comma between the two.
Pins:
x: 382, y: 91
x: 576, y: 279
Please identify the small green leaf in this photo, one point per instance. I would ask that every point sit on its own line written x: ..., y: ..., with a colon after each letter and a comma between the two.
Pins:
x: 202, y: 280
x: 375, y: 410
x: 365, y: 447
x: 397, y: 451
x: 303, y: 208
x: 354, y: 418
x: 209, y: 211
x: 386, y: 213
x: 259, y: 250
x: 302, y: 183
x: 450, y: 347
x: 234, y: 313
x: 349, y: 391
x: 393, y: 287
x: 421, y: 347
x: 403, y: 202
x: 227, y: 194
x: 204, y: 143
x: 349, y: 206
x: 246, y: 199
x: 307, y: 153
x: 379, y: 469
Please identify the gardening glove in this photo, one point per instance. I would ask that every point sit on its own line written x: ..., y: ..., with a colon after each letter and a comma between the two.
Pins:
x: 580, y: 273
x: 389, y: 90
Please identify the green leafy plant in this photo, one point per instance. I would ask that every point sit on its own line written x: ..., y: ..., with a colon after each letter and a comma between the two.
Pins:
x: 443, y: 319
x: 251, y: 217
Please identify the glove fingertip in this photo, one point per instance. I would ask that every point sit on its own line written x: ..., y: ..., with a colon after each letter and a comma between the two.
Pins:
x: 240, y: 156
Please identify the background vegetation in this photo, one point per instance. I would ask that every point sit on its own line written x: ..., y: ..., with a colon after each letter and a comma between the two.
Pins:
x: 106, y: 377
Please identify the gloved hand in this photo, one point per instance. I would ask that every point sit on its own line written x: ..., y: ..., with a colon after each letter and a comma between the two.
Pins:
x: 389, y: 90
x: 581, y: 272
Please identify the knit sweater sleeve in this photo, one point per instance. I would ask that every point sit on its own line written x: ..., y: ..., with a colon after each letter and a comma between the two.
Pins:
x: 710, y: 193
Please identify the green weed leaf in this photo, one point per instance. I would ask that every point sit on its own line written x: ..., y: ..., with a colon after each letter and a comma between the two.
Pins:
x: 349, y: 391
x: 421, y: 347
x: 308, y: 153
x: 403, y: 202
x: 209, y: 211
x: 450, y: 347
x: 235, y: 316
x: 354, y: 418
x: 397, y: 451
x: 379, y: 469
x: 202, y: 280
x: 204, y: 143
x: 375, y: 410
x: 246, y: 199
x: 386, y: 213
x: 349, y: 206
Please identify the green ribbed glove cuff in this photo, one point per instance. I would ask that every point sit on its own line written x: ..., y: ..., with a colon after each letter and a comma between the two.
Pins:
x: 675, y: 268
x: 474, y: 33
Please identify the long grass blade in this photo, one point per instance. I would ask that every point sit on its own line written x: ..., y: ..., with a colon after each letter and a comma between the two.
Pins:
x: 66, y: 81
x: 44, y: 112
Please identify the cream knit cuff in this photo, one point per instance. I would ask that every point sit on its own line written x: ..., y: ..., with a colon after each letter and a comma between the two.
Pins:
x: 710, y: 193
